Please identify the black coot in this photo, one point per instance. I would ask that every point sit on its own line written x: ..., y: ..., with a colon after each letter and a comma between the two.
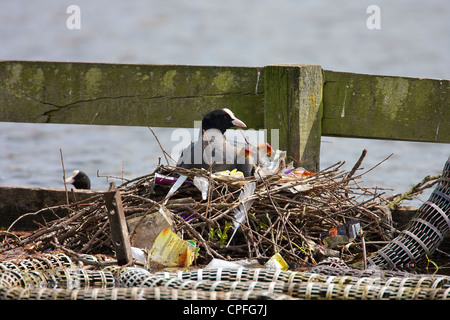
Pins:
x: 213, y: 148
x: 79, y: 180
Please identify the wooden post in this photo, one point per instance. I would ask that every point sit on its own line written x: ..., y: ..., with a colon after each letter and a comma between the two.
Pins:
x: 119, y: 230
x: 293, y: 105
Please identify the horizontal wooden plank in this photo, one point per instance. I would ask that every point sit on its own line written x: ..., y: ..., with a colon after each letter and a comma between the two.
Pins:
x: 385, y: 107
x: 16, y: 201
x: 354, y: 105
x: 127, y: 94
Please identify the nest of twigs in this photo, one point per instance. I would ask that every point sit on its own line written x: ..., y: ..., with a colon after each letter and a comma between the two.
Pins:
x: 288, y: 216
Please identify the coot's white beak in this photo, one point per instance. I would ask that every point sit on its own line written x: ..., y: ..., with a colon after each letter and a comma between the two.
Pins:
x: 238, y: 123
x: 70, y: 180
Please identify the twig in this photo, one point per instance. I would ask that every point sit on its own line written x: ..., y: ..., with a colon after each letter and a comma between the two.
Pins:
x: 123, y: 169
x: 88, y: 245
x: 415, y: 189
x: 378, y: 164
x: 6, y: 234
x: 357, y: 165
x: 112, y: 177
x: 211, y: 252
x: 33, y: 214
x: 363, y: 244
x: 162, y: 149
x: 64, y: 176
x: 279, y: 214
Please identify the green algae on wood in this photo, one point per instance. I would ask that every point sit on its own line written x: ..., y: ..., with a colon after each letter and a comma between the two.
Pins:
x: 386, y: 107
x: 293, y: 106
x: 126, y: 94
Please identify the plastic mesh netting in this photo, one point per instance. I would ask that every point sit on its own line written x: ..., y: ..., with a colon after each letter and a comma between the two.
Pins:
x: 424, y: 233
x: 40, y: 282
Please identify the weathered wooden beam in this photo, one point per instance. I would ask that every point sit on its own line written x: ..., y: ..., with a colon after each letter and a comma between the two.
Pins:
x: 119, y: 229
x: 127, y: 94
x: 293, y: 105
x: 16, y: 201
x: 283, y: 97
x: 385, y: 107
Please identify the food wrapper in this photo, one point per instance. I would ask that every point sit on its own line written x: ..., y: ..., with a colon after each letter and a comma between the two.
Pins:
x: 228, y: 175
x: 170, y: 251
x: 277, y: 262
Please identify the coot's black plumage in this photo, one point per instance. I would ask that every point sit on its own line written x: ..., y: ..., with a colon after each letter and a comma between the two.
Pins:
x: 213, y: 148
x: 222, y: 120
x: 79, y: 180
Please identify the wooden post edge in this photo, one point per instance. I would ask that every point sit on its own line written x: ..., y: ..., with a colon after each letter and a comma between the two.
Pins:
x: 293, y: 106
x: 119, y: 229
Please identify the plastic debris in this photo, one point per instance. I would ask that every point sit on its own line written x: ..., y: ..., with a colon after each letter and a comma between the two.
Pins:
x: 299, y: 172
x: 202, y: 184
x: 241, y: 212
x: 334, y: 241
x: 170, y: 251
x: 220, y: 263
x: 161, y: 179
x: 228, y: 175
x: 175, y: 187
x: 302, y: 173
x: 350, y: 229
x: 225, y: 264
x: 299, y: 188
x: 139, y: 255
x: 144, y: 230
x: 342, y: 234
x: 277, y: 262
x: 272, y: 167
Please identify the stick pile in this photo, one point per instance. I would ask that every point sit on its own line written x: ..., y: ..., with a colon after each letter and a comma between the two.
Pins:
x: 288, y: 216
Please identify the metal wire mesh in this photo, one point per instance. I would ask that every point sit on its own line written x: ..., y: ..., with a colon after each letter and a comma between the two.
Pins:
x: 424, y: 233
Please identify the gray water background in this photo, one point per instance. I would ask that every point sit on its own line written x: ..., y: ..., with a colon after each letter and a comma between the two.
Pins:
x: 413, y: 41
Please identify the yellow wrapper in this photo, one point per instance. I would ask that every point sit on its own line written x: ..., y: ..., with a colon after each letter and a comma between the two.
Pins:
x: 228, y: 175
x: 277, y: 262
x: 170, y: 251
